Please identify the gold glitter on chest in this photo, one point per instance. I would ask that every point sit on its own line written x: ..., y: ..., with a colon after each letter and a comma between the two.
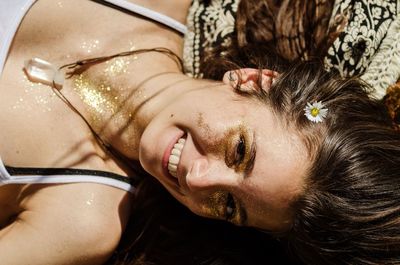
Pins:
x: 116, y: 67
x: 100, y: 98
x: 36, y: 96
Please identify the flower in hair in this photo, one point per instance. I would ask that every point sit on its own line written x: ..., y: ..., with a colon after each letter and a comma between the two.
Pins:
x: 315, y: 112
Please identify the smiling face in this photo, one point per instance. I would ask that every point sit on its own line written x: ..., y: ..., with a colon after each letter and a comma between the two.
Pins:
x: 225, y: 156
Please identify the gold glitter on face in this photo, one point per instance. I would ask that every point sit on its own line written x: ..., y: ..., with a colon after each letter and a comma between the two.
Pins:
x: 215, y: 147
x: 216, y: 207
x: 226, y: 146
x: 238, y: 157
x: 216, y: 204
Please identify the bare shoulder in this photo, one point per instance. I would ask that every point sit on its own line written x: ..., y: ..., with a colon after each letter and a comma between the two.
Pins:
x: 66, y: 219
x: 87, y: 205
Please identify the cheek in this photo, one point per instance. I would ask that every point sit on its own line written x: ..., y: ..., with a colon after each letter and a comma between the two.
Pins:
x: 199, y: 207
x: 266, y: 211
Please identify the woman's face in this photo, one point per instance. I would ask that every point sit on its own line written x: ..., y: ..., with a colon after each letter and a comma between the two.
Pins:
x: 234, y: 159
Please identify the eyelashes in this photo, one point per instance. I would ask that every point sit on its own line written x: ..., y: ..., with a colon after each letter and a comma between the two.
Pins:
x: 240, y: 151
x: 237, y: 153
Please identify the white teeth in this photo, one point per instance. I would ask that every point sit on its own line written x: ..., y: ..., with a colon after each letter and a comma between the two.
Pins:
x: 172, y: 167
x: 178, y: 146
x: 173, y: 159
x: 176, y: 152
x: 175, y: 156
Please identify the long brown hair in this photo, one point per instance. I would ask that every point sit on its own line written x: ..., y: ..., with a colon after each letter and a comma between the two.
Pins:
x: 349, y: 213
x: 277, y: 31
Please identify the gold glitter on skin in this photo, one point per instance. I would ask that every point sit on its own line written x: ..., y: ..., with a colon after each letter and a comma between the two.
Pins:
x: 117, y: 67
x: 216, y: 207
x: 90, y: 46
x: 213, y: 148
x: 101, y: 89
x: 216, y: 204
x: 99, y: 97
x: 132, y: 46
x: 232, y: 137
x: 105, y: 107
x: 226, y: 146
x: 42, y: 97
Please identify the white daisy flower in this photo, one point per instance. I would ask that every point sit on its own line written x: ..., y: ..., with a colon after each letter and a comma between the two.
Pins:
x: 315, y: 112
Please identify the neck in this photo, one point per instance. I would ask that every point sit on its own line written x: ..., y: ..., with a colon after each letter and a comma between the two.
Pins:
x: 120, y: 97
x: 138, y: 106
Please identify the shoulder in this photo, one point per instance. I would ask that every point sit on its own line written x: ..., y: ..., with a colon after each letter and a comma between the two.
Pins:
x: 74, y: 216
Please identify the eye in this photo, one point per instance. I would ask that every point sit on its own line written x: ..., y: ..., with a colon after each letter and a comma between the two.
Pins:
x: 230, y: 209
x: 240, y: 150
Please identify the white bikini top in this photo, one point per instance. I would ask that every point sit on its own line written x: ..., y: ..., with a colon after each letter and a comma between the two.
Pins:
x: 11, y: 14
x: 29, y: 175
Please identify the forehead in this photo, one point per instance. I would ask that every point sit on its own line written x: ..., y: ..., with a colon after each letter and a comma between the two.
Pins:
x: 279, y: 171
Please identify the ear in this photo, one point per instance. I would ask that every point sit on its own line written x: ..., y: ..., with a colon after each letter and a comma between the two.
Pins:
x: 248, y: 79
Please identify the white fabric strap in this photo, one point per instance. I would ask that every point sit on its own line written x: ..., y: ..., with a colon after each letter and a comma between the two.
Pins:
x: 161, y: 18
x: 11, y: 14
x: 65, y: 179
x: 6, y: 178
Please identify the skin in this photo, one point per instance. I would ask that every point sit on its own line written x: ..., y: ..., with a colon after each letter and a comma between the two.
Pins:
x: 55, y: 224
x: 262, y: 194
x: 157, y: 104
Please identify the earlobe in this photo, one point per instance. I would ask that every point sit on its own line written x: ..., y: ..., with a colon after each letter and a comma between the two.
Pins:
x: 247, y: 79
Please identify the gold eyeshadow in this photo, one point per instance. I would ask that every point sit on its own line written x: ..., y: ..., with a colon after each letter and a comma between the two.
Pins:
x: 232, y: 139
x: 227, y: 145
x: 216, y: 207
x: 216, y: 204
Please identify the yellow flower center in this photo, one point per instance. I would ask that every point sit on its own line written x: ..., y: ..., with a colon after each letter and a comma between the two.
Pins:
x: 314, y: 112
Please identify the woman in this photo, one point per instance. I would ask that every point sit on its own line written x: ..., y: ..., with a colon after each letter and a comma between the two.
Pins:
x: 202, y: 140
x: 92, y: 208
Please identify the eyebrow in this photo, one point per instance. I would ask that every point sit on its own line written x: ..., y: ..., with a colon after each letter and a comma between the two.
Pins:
x: 252, y: 157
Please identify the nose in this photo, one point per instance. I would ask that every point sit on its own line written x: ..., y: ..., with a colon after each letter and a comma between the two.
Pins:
x: 203, y: 175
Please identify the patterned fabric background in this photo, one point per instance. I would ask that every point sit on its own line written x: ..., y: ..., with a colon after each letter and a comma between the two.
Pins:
x: 368, y: 24
x: 369, y: 44
x: 208, y: 26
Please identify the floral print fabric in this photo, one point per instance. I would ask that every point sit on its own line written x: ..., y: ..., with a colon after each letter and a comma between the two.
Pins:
x: 208, y: 25
x: 369, y: 42
x: 368, y: 23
